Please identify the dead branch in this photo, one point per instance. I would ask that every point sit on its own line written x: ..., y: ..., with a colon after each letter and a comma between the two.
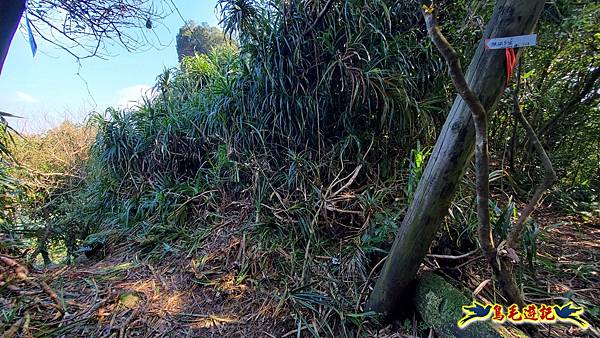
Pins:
x: 502, y: 265
x: 128, y: 321
x: 549, y: 174
x: 81, y: 28
x: 19, y: 270
x: 21, y: 274
x: 453, y: 257
x: 12, y: 331
x: 480, y: 120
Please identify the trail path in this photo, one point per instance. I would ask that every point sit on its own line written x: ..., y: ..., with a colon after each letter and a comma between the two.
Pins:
x: 123, y: 296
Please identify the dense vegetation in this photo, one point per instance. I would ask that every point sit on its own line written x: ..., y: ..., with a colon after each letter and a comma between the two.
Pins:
x: 308, y: 140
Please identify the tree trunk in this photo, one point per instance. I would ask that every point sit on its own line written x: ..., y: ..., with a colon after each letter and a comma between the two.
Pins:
x: 453, y: 151
x: 10, y: 15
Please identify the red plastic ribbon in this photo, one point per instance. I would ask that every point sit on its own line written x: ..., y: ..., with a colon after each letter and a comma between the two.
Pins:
x: 511, y: 60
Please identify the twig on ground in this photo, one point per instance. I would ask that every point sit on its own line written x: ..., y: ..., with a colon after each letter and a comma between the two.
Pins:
x: 454, y: 257
x: 127, y: 321
x: 12, y: 331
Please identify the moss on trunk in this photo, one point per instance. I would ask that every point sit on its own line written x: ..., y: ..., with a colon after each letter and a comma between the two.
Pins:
x: 440, y: 305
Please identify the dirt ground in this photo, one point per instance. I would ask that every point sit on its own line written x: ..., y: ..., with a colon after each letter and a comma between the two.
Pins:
x: 123, y: 296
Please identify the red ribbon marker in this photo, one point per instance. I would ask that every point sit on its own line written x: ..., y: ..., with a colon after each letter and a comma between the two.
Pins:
x: 509, y: 44
x: 511, y: 61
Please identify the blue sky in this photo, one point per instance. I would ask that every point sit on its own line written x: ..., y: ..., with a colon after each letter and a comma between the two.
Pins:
x: 46, y: 90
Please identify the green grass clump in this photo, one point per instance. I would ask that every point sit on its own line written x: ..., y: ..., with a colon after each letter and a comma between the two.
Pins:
x: 295, y: 141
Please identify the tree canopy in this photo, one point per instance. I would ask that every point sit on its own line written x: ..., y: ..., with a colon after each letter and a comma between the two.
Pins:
x: 195, y: 38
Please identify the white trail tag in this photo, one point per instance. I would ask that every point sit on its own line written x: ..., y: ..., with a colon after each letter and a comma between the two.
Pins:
x: 511, y: 42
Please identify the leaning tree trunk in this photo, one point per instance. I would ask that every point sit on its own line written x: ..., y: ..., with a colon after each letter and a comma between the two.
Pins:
x: 486, y: 76
x: 10, y: 15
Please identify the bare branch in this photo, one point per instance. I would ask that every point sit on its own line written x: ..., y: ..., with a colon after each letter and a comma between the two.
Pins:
x: 502, y: 259
x: 88, y: 24
x: 549, y: 175
x: 480, y: 119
